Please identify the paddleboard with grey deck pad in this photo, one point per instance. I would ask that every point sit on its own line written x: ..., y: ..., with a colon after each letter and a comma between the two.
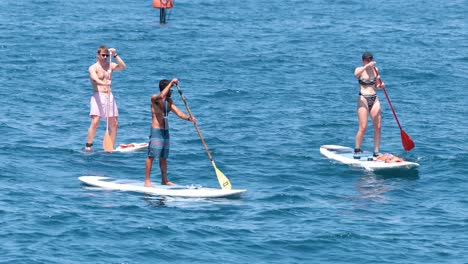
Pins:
x: 345, y: 155
x: 161, y: 190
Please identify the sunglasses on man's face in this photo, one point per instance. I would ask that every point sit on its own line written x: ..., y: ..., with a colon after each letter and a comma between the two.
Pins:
x: 104, y: 55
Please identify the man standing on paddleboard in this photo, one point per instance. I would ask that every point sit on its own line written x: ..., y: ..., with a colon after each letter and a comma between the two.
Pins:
x: 102, y: 100
x: 161, y: 105
x: 368, y: 102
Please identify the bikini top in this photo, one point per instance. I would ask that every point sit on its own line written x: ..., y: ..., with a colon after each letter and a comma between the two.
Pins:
x: 368, y: 82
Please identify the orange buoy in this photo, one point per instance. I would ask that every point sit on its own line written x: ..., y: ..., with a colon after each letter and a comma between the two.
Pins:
x: 162, y: 3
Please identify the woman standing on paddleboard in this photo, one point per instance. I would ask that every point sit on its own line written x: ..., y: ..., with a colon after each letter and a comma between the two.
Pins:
x: 368, y: 102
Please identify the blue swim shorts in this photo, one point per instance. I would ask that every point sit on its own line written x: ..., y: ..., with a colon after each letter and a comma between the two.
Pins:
x: 158, y: 146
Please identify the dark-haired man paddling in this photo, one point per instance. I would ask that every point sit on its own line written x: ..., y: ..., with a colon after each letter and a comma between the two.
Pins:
x: 161, y: 105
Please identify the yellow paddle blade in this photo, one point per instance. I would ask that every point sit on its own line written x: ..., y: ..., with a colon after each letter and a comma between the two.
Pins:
x: 222, y: 179
x: 107, y: 143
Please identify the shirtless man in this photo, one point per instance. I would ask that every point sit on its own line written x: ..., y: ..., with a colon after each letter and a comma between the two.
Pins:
x: 99, y: 75
x: 161, y: 105
x: 368, y: 102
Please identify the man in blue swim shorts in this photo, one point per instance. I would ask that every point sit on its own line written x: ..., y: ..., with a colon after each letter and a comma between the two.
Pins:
x: 161, y: 105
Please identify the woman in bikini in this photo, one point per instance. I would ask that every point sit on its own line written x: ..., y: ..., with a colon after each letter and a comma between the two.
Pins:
x: 368, y: 102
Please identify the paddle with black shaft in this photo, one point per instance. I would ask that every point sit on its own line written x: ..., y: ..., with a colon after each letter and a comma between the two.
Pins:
x: 222, y: 179
x: 406, y: 141
x: 107, y: 143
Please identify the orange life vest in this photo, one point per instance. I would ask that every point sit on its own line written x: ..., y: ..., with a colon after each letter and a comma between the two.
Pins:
x: 389, y: 158
x: 126, y: 145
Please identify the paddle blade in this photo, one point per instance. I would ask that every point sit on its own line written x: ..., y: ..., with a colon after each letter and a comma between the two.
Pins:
x: 222, y: 179
x: 407, y: 142
x: 107, y: 143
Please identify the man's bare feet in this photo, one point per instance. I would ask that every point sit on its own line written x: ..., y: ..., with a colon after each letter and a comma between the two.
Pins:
x: 168, y: 183
x: 148, y: 184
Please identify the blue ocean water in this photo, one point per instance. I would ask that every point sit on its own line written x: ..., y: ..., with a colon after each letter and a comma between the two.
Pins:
x: 269, y: 82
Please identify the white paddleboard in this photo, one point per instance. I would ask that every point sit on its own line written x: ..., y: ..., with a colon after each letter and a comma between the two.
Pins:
x: 366, y: 161
x: 162, y: 190
x: 131, y: 147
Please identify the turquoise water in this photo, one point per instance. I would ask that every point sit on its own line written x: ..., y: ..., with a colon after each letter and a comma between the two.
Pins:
x: 269, y: 82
